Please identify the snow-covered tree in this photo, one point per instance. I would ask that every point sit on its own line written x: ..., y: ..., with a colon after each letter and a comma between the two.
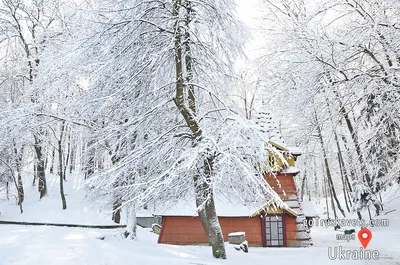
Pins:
x: 161, y: 111
x: 340, y: 57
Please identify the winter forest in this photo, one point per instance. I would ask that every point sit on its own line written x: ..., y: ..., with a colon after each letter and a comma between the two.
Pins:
x: 151, y: 102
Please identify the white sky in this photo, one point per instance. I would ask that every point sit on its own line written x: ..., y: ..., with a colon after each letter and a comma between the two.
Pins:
x: 248, y: 9
x: 249, y: 13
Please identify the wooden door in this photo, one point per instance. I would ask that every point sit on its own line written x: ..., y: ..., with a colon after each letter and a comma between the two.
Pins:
x: 274, y: 231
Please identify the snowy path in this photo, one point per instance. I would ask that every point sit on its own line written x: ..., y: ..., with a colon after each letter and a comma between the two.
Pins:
x: 29, y: 245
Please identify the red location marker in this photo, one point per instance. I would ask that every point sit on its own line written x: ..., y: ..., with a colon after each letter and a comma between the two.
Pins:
x: 364, y: 235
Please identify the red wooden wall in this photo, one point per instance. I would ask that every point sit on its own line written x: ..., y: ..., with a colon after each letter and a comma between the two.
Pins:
x: 185, y: 230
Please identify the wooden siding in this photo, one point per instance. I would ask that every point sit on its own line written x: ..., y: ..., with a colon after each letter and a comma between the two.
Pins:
x: 291, y: 230
x: 184, y: 230
x: 286, y: 182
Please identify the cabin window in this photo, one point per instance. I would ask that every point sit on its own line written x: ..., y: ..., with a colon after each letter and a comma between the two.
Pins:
x: 274, y: 231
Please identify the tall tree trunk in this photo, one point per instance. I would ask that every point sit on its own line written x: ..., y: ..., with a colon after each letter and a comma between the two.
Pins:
x: 18, y: 161
x: 66, y: 160
x: 72, y: 157
x: 317, y: 187
x: 343, y: 171
x: 343, y: 181
x: 303, y: 181
x: 366, y: 176
x: 189, y: 114
x: 90, y: 159
x: 34, y: 173
x: 131, y: 222
x: 352, y: 169
x: 201, y: 198
x: 303, y: 184
x: 116, y: 214
x: 41, y: 175
x: 21, y: 194
x: 61, y: 168
x: 332, y: 201
x: 216, y: 236
x: 15, y: 183
x: 53, y: 158
x: 326, y: 196
x: 7, y: 191
x: 328, y: 172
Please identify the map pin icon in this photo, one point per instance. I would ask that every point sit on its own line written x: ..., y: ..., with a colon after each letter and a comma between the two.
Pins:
x: 364, y: 235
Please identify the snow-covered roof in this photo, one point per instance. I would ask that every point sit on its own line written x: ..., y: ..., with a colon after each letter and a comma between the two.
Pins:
x: 309, y: 209
x: 272, y: 207
x: 224, y: 207
x: 290, y: 170
x: 294, y: 150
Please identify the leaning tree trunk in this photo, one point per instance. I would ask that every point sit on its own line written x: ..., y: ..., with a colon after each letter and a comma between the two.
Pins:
x: 328, y: 172
x: 366, y: 176
x: 332, y: 201
x: 189, y: 115
x: 200, y: 204
x: 342, y: 173
x: 216, y: 236
x: 326, y: 197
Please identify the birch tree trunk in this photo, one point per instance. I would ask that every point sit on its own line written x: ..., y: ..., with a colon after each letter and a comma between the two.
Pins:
x: 18, y: 162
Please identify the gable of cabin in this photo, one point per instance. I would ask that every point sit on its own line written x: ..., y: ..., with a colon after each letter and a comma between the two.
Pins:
x: 286, y: 156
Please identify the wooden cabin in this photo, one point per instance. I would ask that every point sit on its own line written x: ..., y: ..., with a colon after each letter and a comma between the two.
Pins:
x: 268, y: 226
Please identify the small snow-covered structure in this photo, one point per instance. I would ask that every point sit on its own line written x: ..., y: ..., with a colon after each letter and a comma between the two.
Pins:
x: 309, y: 211
x: 236, y: 238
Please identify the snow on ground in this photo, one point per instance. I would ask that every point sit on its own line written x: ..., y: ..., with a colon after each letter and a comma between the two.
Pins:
x: 49, y: 209
x: 46, y: 245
